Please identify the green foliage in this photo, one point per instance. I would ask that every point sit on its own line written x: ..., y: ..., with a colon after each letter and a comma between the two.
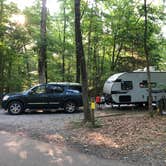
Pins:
x: 112, y: 32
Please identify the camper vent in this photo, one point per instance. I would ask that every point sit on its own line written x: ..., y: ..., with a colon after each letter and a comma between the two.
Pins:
x: 151, y: 68
x: 138, y: 70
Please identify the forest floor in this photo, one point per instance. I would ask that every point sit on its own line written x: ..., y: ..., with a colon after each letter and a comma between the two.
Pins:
x: 128, y: 135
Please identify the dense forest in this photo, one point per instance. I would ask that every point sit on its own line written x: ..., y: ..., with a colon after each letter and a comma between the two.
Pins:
x: 112, y: 35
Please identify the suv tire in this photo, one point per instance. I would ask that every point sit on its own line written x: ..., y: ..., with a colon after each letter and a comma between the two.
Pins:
x: 70, y: 107
x: 15, y: 108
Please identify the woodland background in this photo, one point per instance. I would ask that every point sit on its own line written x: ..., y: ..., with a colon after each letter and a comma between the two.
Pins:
x: 113, y: 40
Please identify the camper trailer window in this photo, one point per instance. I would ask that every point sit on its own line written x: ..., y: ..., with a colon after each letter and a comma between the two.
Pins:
x: 144, y: 84
x: 126, y: 85
x: 153, y: 84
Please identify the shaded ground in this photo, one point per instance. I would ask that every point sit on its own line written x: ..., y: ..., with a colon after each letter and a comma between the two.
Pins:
x: 131, y: 136
x: 24, y: 151
x: 135, y: 138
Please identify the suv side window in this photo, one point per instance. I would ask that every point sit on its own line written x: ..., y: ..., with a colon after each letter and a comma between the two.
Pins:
x: 39, y: 89
x: 54, y: 89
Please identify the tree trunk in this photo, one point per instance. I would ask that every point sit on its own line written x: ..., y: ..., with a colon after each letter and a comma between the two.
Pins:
x: 147, y: 58
x: 42, y: 66
x: 81, y: 56
x: 64, y: 42
x: 1, y: 56
x: 115, y: 54
x: 95, y: 73
x: 77, y: 40
x: 78, y: 69
x: 102, y: 62
x: 27, y: 66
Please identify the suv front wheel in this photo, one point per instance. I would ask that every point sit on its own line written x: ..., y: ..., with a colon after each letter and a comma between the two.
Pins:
x: 70, y: 107
x: 15, y: 108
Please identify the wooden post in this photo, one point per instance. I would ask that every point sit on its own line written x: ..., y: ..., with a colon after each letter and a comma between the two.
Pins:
x: 92, y: 111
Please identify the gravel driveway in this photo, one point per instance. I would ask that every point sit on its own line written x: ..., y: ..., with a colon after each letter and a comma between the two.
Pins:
x: 39, y: 119
x: 52, y: 128
x: 23, y: 151
x: 37, y: 124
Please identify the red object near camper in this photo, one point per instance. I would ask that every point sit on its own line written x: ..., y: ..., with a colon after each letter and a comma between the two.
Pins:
x: 98, y: 99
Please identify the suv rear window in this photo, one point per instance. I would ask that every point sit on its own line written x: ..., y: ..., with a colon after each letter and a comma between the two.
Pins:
x: 75, y: 87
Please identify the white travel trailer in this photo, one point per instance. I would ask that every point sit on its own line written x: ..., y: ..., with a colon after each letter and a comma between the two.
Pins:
x: 132, y: 87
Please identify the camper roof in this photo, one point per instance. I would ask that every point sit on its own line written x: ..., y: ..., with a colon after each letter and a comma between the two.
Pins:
x: 115, y: 76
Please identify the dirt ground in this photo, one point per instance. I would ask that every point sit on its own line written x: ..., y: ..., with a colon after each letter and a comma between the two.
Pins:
x: 130, y: 135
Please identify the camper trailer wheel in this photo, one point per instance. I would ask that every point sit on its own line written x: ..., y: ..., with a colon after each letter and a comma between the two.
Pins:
x: 139, y: 105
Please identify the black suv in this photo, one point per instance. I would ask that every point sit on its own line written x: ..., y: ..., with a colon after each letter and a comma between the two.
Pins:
x: 45, y: 96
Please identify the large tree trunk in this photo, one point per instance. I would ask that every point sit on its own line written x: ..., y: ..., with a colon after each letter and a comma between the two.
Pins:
x: 89, y: 50
x: 81, y: 56
x: 1, y: 56
x: 64, y: 42
x: 78, y: 69
x: 147, y: 58
x: 77, y: 40
x: 42, y: 66
x: 27, y: 66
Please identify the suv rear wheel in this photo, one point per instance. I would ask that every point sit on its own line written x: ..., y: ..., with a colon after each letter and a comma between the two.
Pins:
x: 70, y: 107
x: 15, y: 108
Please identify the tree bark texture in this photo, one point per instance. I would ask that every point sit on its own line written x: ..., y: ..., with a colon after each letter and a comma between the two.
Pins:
x: 42, y: 64
x: 78, y: 40
x: 147, y: 57
x: 2, y: 56
x: 81, y: 61
x: 64, y: 42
